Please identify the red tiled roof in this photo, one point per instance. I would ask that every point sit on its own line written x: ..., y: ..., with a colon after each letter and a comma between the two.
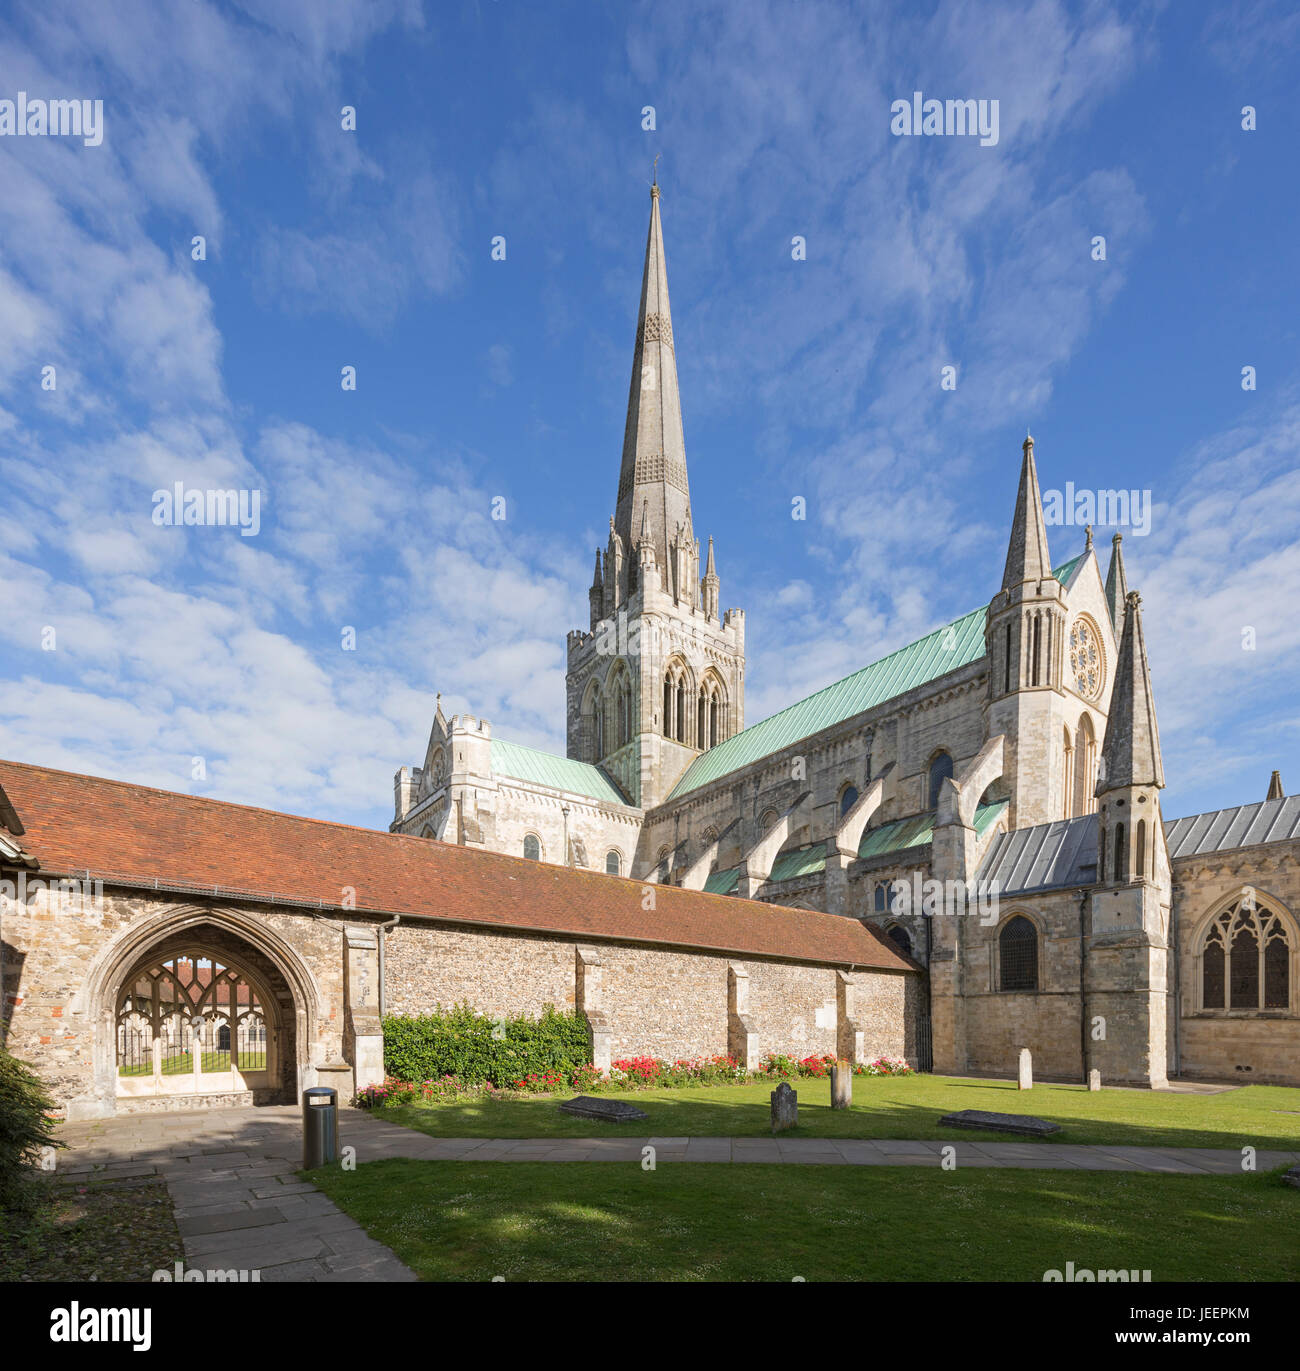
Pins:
x: 135, y: 835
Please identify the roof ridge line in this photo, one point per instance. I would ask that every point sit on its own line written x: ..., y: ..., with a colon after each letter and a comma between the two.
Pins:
x: 200, y: 799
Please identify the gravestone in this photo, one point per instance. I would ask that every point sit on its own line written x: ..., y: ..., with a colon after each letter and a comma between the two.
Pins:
x: 608, y: 1111
x: 1026, y: 1070
x: 785, y: 1108
x: 1094, y: 1079
x: 841, y: 1084
x: 1000, y: 1123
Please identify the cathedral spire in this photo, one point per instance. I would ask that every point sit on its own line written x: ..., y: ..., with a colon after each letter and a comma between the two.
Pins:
x: 1116, y: 585
x: 1027, y: 556
x: 653, y: 473
x: 1131, y: 752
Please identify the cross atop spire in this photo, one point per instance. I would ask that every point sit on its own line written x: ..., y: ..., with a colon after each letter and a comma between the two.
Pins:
x: 1027, y: 556
x: 1131, y: 751
x: 652, y: 478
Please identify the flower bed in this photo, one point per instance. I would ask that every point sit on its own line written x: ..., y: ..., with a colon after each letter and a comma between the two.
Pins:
x: 625, y: 1074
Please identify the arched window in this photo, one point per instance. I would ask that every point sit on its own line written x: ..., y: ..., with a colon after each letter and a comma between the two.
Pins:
x: 940, y: 770
x: 1140, y: 850
x: 678, y: 697
x: 1101, y: 856
x: 902, y: 939
x: 593, y: 722
x: 1121, y: 873
x: 665, y: 874
x: 848, y: 799
x: 768, y: 818
x: 1018, y: 955
x: 1246, y: 952
x: 613, y: 863
x: 1085, y: 767
x: 882, y: 897
x: 532, y: 847
x: 709, y: 711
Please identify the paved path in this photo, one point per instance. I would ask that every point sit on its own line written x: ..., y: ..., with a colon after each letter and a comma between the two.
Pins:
x: 240, y: 1206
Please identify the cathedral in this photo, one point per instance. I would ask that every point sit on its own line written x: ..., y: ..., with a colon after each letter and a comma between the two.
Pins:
x: 987, y: 797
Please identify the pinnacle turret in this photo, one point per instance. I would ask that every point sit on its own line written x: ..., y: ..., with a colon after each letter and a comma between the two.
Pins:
x: 1116, y: 585
x: 1027, y: 556
x: 1131, y: 751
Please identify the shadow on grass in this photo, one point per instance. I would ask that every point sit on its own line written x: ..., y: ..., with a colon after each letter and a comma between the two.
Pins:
x: 686, y: 1222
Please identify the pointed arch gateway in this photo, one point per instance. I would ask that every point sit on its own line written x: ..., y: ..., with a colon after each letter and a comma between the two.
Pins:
x: 201, y: 1003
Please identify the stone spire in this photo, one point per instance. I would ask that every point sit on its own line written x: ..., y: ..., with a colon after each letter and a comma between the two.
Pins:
x: 1131, y: 752
x: 1027, y: 556
x: 709, y: 586
x: 1275, y: 791
x: 596, y: 595
x: 653, y: 474
x: 1116, y: 585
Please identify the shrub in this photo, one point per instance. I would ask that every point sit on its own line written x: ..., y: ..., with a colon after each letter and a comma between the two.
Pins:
x: 475, y: 1049
x: 25, y: 1130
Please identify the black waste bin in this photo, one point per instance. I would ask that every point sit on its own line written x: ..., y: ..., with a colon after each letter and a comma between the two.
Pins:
x: 320, y: 1127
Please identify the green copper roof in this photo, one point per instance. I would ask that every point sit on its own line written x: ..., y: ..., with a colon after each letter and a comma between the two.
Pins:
x: 946, y: 649
x: 917, y: 831
x: 723, y: 882
x: 803, y: 861
x: 559, y: 773
x: 876, y: 842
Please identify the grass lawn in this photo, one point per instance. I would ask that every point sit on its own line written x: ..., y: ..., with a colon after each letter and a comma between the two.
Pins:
x: 183, y: 1064
x: 1261, y: 1116
x: 602, y: 1221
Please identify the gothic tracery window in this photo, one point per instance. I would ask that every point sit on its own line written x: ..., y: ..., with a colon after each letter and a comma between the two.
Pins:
x: 1245, y: 959
x: 1086, y: 668
x: 678, y: 699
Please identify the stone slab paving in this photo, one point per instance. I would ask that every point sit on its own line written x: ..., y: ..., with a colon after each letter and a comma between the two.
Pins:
x: 239, y: 1204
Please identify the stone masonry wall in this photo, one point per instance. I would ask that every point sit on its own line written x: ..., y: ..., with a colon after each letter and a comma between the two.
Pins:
x: 658, y: 1002
x: 1235, y: 1045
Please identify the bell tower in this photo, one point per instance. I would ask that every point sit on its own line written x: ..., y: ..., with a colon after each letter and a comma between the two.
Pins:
x: 1024, y: 635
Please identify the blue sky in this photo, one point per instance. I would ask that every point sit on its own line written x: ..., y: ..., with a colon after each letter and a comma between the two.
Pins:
x: 481, y: 378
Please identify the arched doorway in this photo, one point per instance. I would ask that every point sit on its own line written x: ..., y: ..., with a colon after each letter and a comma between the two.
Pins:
x: 203, y: 1012
x: 193, y: 1024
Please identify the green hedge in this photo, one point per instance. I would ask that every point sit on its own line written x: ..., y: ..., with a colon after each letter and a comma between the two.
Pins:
x: 25, y: 1130
x: 463, y: 1043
